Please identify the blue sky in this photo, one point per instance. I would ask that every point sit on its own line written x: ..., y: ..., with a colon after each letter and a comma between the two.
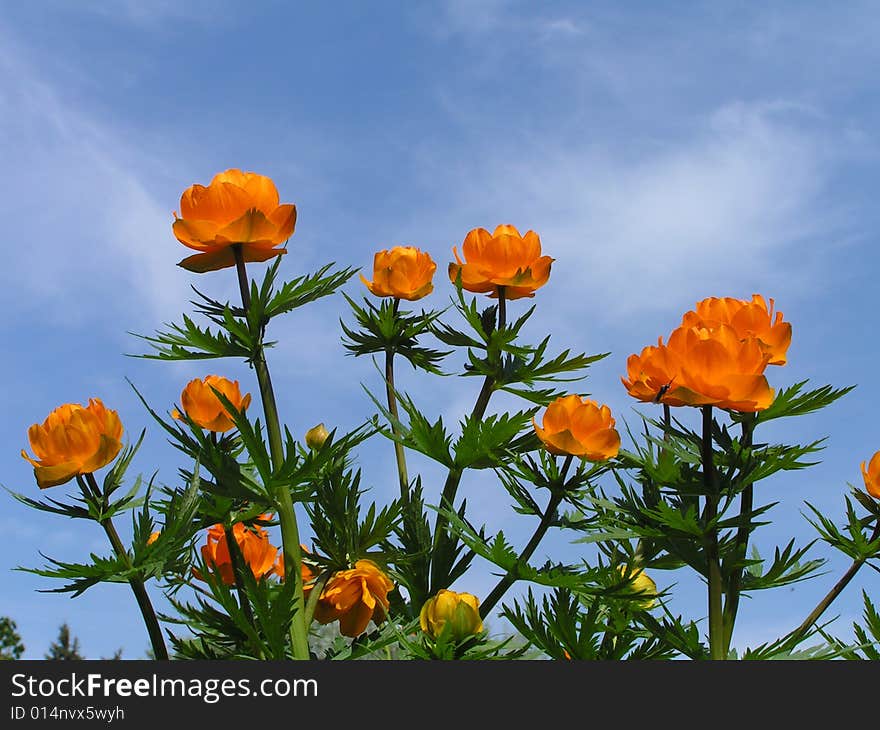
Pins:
x: 708, y: 149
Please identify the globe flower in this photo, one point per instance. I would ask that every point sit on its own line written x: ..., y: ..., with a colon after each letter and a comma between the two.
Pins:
x: 717, y: 367
x: 316, y: 436
x: 753, y: 318
x: 203, y: 406
x: 404, y: 272
x: 702, y: 366
x: 651, y: 374
x: 501, y: 259
x: 73, y: 440
x: 458, y: 614
x: 871, y: 475
x: 640, y: 584
x: 354, y: 597
x: 308, y: 575
x: 236, y: 209
x: 576, y: 427
x: 253, y: 542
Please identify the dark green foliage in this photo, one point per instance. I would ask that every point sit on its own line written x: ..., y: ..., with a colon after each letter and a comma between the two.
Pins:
x: 10, y: 642
x: 65, y: 647
x: 386, y: 329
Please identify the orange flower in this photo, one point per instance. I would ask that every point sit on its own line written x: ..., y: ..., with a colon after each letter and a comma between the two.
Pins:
x: 308, y: 575
x: 153, y: 537
x: 73, y: 440
x: 203, y: 406
x: 871, y: 475
x: 717, y: 367
x: 748, y: 319
x: 457, y: 613
x: 651, y: 375
x: 253, y: 542
x: 404, y: 272
x: 702, y: 366
x: 354, y: 597
x: 576, y: 427
x: 503, y: 258
x: 237, y: 208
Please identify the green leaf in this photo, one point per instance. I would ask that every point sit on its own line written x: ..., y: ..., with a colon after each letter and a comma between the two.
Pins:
x: 792, y: 402
x: 188, y: 341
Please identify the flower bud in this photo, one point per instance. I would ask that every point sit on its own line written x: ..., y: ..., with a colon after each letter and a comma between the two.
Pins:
x: 315, y: 437
x: 641, y: 584
x: 457, y: 614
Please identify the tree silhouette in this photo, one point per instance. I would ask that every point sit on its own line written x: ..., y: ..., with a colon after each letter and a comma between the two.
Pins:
x: 65, y: 647
x: 10, y: 642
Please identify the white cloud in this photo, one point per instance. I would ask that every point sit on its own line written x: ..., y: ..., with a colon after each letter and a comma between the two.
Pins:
x: 659, y: 226
x: 153, y: 14
x: 86, y: 235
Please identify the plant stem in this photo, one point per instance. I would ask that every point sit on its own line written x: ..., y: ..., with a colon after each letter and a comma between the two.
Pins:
x: 716, y: 589
x: 546, y: 519
x: 644, y: 545
x: 137, y: 585
x: 299, y: 638
x: 316, y: 591
x: 453, y: 478
x: 823, y: 605
x: 238, y: 568
x: 731, y: 601
x: 399, y: 452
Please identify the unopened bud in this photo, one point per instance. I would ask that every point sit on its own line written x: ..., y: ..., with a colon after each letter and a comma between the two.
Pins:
x: 315, y: 437
x: 455, y: 613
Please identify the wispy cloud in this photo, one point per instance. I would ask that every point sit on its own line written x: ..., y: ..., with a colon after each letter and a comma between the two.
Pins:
x: 82, y: 240
x: 153, y: 15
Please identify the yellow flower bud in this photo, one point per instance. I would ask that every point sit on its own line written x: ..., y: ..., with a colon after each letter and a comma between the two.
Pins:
x: 455, y: 613
x: 315, y: 437
x: 641, y: 584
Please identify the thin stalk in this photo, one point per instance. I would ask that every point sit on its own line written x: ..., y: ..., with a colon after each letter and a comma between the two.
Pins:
x: 713, y: 560
x: 137, y: 585
x: 546, y: 519
x: 823, y: 605
x: 453, y: 478
x: 238, y: 568
x: 399, y: 452
x: 299, y: 638
x: 731, y: 602
x: 316, y: 591
x: 644, y: 545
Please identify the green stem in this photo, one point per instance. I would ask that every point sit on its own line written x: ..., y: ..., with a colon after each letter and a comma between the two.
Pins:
x: 731, y: 603
x: 238, y: 568
x: 299, y: 638
x: 399, y: 452
x: 823, y: 605
x: 644, y: 545
x: 316, y: 591
x: 453, y: 478
x: 546, y: 520
x: 137, y: 585
x: 716, y: 588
